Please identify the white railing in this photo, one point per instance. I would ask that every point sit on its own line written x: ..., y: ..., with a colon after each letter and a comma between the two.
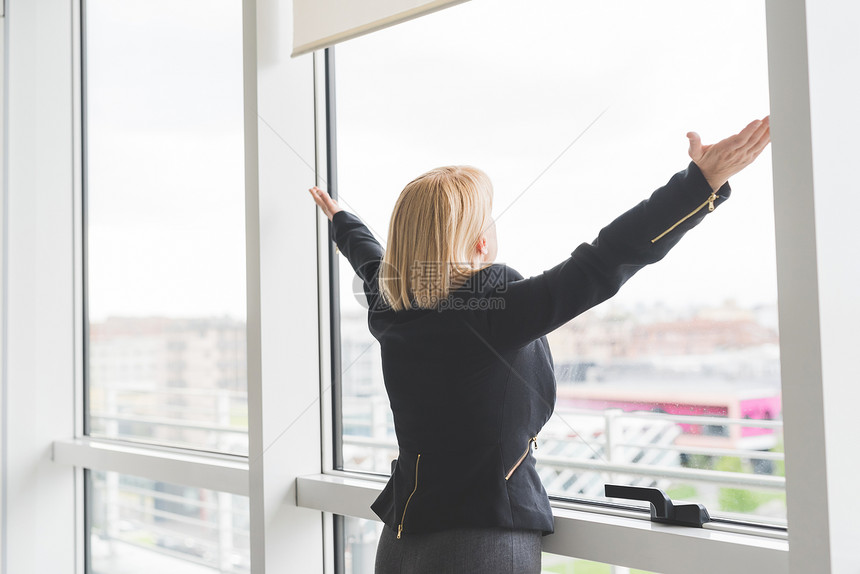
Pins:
x: 212, y: 411
x: 575, y: 460
x: 208, y: 530
x: 611, y: 420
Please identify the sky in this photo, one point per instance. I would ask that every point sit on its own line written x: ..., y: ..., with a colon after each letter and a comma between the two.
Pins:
x: 508, y: 85
x: 503, y: 85
x: 165, y: 161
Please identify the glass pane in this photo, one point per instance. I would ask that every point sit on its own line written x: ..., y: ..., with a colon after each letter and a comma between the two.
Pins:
x: 577, y: 112
x: 362, y: 536
x: 360, y: 539
x: 141, y: 526
x: 165, y: 224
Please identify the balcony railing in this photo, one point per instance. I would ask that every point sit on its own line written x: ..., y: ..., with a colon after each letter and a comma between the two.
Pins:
x: 582, y: 449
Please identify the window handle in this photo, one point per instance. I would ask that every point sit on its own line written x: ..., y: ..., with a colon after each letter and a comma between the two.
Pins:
x: 662, y: 508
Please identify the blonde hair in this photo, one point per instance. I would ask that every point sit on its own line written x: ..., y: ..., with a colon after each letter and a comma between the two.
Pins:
x: 435, y: 227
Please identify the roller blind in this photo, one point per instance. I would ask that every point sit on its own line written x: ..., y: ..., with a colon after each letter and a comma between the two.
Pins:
x: 322, y: 23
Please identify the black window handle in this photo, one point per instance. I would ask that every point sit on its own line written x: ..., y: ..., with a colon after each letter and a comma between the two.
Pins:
x: 662, y: 508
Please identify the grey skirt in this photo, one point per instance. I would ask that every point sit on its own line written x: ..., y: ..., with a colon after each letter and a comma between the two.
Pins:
x: 462, y: 550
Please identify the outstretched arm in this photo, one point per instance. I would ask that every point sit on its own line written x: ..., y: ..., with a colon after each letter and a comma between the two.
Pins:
x: 595, y: 271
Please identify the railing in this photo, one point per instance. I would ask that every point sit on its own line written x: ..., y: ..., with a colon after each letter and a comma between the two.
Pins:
x: 158, y: 529
x: 574, y: 460
x: 210, y: 532
x: 211, y: 411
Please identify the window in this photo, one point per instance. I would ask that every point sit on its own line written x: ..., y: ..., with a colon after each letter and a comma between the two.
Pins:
x: 165, y: 229
x: 43, y: 327
x: 576, y: 113
x: 140, y: 525
x: 166, y: 358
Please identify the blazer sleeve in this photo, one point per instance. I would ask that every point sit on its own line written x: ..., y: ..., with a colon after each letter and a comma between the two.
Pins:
x: 595, y: 271
x: 361, y: 248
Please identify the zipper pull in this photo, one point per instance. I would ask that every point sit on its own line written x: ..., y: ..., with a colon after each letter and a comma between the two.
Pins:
x: 709, y: 202
x: 534, y: 439
x: 399, y: 530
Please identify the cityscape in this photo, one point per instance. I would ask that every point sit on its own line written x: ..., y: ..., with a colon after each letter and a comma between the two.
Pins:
x: 686, y: 390
x: 178, y: 382
x: 685, y: 400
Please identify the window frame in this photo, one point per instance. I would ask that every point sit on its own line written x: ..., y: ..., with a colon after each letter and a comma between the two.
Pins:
x: 329, y: 255
x: 756, y: 548
x: 350, y: 493
x: 588, y: 531
x: 56, y: 508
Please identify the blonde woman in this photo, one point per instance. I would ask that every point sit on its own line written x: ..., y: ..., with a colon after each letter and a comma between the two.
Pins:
x: 467, y: 368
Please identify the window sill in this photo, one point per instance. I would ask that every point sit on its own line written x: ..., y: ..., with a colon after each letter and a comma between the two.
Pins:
x: 619, y: 538
x: 225, y: 473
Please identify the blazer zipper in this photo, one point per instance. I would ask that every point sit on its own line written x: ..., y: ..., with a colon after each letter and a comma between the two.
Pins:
x: 709, y: 202
x: 522, y: 457
x: 403, y: 517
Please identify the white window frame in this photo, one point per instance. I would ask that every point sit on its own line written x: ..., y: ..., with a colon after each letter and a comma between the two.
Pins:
x: 607, y: 535
x: 628, y: 540
x: 813, y: 85
x: 42, y: 480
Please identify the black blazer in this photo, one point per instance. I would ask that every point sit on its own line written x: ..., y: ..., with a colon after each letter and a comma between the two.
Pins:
x: 472, y: 384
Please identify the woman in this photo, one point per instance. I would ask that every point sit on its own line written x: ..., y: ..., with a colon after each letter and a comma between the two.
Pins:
x: 466, y: 364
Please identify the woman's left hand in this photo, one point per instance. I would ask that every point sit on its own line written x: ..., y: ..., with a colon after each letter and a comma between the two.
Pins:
x: 722, y: 160
x: 324, y: 200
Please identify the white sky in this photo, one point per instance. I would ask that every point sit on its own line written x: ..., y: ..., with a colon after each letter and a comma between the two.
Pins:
x: 504, y: 85
x: 165, y: 158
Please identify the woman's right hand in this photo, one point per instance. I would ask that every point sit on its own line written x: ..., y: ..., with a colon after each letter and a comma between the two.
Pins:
x: 324, y: 200
x: 720, y: 161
